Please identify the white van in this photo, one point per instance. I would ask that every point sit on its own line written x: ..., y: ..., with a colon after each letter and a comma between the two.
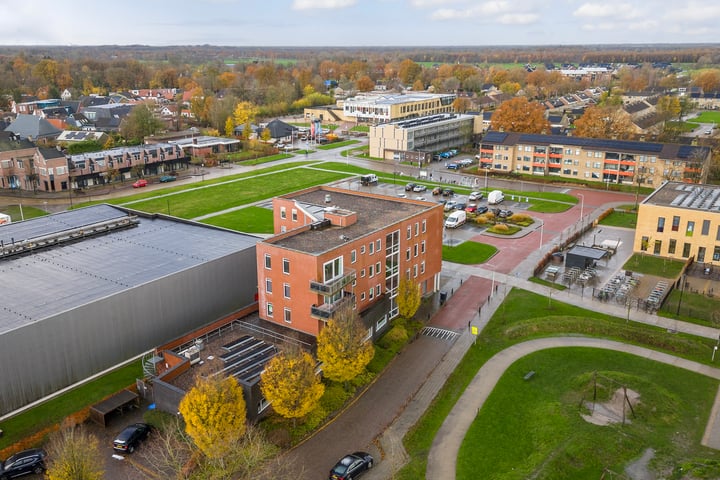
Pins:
x: 370, y: 179
x: 495, y: 197
x: 456, y: 219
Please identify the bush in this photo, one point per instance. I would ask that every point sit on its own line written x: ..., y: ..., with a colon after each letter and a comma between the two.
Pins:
x: 395, y: 338
x: 482, y: 219
x: 501, y: 228
x: 159, y: 420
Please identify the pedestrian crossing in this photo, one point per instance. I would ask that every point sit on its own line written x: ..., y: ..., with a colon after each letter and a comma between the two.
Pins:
x: 440, y: 333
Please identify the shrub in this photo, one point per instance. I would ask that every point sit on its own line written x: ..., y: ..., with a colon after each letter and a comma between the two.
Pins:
x: 482, y: 219
x: 395, y: 338
x: 501, y: 228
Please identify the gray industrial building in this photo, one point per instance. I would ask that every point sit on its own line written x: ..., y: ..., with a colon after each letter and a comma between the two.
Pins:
x: 87, y: 289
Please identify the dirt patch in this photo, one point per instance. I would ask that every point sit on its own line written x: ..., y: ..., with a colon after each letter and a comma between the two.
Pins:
x: 616, y: 410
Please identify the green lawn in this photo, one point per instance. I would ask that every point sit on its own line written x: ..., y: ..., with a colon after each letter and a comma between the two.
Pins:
x: 54, y: 411
x: 652, y: 265
x: 248, y: 220
x: 620, y: 218
x: 533, y: 429
x: 708, y: 117
x: 547, y: 206
x: 469, y: 253
x: 683, y: 126
x: 28, y: 212
x: 693, y: 307
x: 333, y: 145
x: 525, y: 315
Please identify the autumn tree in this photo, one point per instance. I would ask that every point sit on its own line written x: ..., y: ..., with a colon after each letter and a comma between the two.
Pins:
x: 290, y: 384
x: 708, y: 80
x: 74, y: 454
x: 604, y: 122
x: 409, y: 71
x: 170, y: 451
x: 668, y: 107
x: 245, y: 112
x: 139, y: 123
x: 365, y: 84
x: 214, y: 414
x: 408, y: 298
x: 462, y: 104
x: 342, y: 348
x: 520, y: 115
x: 229, y: 127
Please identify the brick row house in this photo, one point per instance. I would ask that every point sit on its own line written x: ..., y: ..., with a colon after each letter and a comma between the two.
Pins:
x: 334, y: 247
x: 27, y: 167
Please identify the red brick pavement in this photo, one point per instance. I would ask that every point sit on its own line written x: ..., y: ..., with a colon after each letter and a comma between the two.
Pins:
x: 463, y: 304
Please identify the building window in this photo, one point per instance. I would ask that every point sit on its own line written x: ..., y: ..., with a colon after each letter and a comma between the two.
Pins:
x: 422, y: 247
x: 371, y: 271
x: 644, y: 243
x: 353, y: 256
x: 701, y: 255
x: 415, y: 250
x: 378, y: 290
x: 268, y: 261
x: 676, y: 224
x: 672, y: 246
x: 286, y: 290
x: 661, y: 224
x: 371, y: 248
x: 268, y: 285
x: 378, y: 245
x: 409, y: 232
x: 371, y: 293
x: 657, y: 247
x: 415, y: 271
x: 294, y: 215
x: 424, y: 226
x: 362, y: 297
x: 422, y: 267
x: 287, y: 315
x: 377, y: 268
x: 362, y: 273
x: 690, y: 228
x: 407, y: 254
x: 417, y: 229
x: 362, y: 250
x: 286, y: 266
x: 686, y: 250
x: 269, y: 309
x: 716, y: 254
x: 705, y: 228
x: 283, y: 214
x: 283, y: 229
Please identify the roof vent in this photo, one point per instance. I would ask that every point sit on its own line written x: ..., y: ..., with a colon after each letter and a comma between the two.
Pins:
x: 328, y: 198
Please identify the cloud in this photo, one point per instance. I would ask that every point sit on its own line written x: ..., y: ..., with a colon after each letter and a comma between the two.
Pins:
x: 322, y: 4
x: 485, y: 9
x: 518, y: 18
x: 618, y: 11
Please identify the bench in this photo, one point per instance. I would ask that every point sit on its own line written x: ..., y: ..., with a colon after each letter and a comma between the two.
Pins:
x: 529, y: 375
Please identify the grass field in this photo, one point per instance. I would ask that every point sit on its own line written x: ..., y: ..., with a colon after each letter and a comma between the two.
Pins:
x: 27, y: 212
x: 525, y: 315
x: 248, y: 220
x: 652, y: 265
x: 620, y: 218
x: 708, y: 117
x: 469, y: 253
x: 534, y: 429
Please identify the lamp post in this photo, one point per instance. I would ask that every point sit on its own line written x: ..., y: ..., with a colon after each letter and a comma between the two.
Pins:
x: 486, y: 178
x: 582, y: 206
x: 541, y: 234
x: 682, y: 289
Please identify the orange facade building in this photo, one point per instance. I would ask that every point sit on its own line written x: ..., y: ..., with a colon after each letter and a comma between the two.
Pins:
x: 333, y: 247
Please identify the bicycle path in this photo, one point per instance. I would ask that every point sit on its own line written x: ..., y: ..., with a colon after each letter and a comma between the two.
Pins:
x: 442, y: 459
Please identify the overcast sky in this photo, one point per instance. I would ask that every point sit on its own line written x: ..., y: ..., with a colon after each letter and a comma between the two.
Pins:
x: 358, y: 22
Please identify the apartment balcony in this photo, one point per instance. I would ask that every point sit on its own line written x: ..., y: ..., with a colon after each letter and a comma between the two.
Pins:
x: 327, y: 311
x: 333, y: 286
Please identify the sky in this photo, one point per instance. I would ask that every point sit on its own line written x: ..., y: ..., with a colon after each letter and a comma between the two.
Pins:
x: 341, y: 23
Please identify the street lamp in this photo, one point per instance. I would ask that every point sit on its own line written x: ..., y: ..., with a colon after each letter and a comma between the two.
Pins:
x: 541, y: 234
x: 682, y: 289
x: 582, y: 205
x: 486, y: 178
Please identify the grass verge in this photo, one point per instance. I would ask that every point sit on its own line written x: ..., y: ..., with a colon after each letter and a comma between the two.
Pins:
x: 468, y: 253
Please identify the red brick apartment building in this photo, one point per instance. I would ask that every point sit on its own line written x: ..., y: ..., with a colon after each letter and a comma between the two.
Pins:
x: 333, y: 247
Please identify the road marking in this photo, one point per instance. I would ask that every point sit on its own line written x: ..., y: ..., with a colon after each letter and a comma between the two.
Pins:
x: 440, y: 333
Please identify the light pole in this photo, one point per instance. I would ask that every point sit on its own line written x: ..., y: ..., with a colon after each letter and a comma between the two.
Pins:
x: 582, y: 206
x: 682, y: 289
x: 541, y: 234
x: 486, y: 179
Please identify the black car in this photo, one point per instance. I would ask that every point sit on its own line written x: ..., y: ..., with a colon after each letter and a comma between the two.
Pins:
x: 351, y: 466
x: 409, y: 187
x: 448, y: 192
x: 23, y: 463
x: 481, y: 209
x: 128, y: 440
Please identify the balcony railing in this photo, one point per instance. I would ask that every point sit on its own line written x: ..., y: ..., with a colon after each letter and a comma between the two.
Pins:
x: 333, y: 286
x: 326, y: 311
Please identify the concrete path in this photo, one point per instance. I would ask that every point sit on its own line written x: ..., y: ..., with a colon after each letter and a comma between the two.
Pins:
x: 446, y: 446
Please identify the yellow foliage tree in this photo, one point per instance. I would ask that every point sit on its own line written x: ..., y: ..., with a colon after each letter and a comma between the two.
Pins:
x: 342, y: 348
x: 214, y: 414
x: 408, y: 298
x: 290, y: 384
x: 245, y: 112
x: 74, y: 454
x: 520, y: 115
x: 229, y: 127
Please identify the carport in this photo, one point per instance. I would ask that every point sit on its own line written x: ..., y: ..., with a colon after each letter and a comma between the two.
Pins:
x: 118, y: 402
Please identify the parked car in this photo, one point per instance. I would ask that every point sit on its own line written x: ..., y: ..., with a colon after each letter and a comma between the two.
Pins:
x: 453, y: 166
x: 23, y: 463
x: 449, y: 205
x: 448, y: 192
x: 167, y: 178
x: 140, y: 183
x: 471, y: 208
x: 129, y: 439
x: 351, y: 466
x: 475, y: 196
x: 437, y: 190
x: 465, y: 162
x: 503, y: 213
x: 481, y: 209
x: 409, y: 187
x: 460, y: 206
x: 419, y: 188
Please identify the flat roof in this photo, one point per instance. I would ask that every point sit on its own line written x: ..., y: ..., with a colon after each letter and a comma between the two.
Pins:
x: 686, y: 195
x: 57, y: 278
x: 395, y: 98
x: 373, y: 214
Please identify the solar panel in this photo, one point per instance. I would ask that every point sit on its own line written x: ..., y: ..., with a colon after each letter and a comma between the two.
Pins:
x: 495, y: 137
